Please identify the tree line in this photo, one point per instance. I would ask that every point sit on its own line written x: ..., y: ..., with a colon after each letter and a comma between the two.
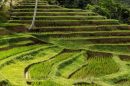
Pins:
x: 113, y: 9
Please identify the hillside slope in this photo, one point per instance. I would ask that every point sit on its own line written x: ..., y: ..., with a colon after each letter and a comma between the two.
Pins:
x: 65, y: 47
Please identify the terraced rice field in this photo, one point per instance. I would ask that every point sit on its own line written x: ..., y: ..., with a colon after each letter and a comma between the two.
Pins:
x: 65, y: 47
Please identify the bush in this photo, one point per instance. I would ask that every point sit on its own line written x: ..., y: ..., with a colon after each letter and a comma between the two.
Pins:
x: 108, y: 8
x: 3, y: 17
x: 99, y: 10
x: 111, y: 9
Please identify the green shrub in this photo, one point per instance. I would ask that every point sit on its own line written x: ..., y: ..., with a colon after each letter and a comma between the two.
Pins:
x: 111, y: 9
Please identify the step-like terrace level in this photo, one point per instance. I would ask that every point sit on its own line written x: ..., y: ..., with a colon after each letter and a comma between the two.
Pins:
x: 81, y: 28
x: 32, y: 4
x: 48, y: 10
x: 33, y: 1
x: 98, y: 40
x: 40, y: 23
x: 39, y: 6
x: 58, y: 17
x: 54, y: 13
x: 84, y: 34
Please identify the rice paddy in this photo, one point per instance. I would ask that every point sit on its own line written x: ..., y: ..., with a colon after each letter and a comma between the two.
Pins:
x: 66, y: 47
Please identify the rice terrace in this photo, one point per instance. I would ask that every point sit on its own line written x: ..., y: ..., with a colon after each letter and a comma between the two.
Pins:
x: 64, y: 43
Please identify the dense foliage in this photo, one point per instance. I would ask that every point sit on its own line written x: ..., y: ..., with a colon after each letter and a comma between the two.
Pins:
x: 110, y: 8
x: 4, y: 14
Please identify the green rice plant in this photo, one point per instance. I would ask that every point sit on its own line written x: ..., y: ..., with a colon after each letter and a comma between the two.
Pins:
x: 40, y: 23
x: 96, y: 67
x: 85, y: 43
x: 98, y: 40
x: 110, y: 40
x: 3, y: 31
x: 83, y: 28
x: 124, y: 83
x: 70, y: 65
x: 46, y: 83
x: 43, y: 69
x: 91, y: 38
x: 47, y: 10
x: 38, y: 53
x: 32, y: 1
x: 14, y: 27
x: 7, y: 40
x: 15, y: 71
x: 4, y: 81
x: 124, y: 57
x: 83, y: 34
x: 58, y: 17
x: 70, y: 44
x: 39, y: 6
x: 14, y: 51
x: 17, y: 40
x: 85, y: 84
x: 23, y: 42
x: 112, y: 48
x: 32, y: 4
x: 53, y: 13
